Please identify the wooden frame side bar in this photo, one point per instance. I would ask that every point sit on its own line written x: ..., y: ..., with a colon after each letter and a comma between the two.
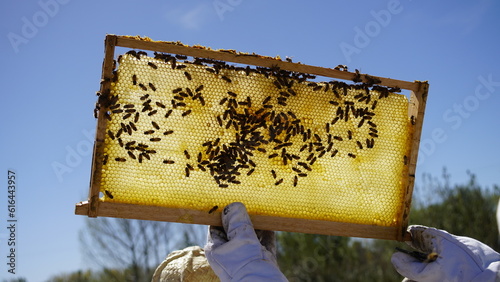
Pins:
x: 260, y: 222
x: 168, y: 47
x: 416, y: 111
x: 106, y: 77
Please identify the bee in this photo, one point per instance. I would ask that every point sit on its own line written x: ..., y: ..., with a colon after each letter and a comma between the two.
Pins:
x: 338, y: 138
x: 374, y: 105
x: 151, y: 85
x: 160, y: 105
x: 282, y: 103
x: 266, y: 100
x: 295, y: 180
x: 226, y: 78
x: 108, y: 194
x: 168, y: 113
x: 120, y: 159
x: 188, y: 90
x: 105, y: 160
x: 405, y: 160
x: 155, y: 125
x: 168, y: 132
x: 273, y: 173
x: 262, y: 150
x: 186, y: 113
x: 372, y: 124
x: 352, y: 155
x: 181, y: 57
x: 202, y: 101
x: 373, y: 134
x: 156, y: 139
x: 176, y: 90
x: 272, y: 156
x: 361, y: 122
x: 179, y: 67
x: 149, y: 132
x: 111, y: 135
x: 423, y: 257
x: 223, y: 185
x: 127, y: 116
x: 168, y: 161
x: 131, y: 155
x: 188, y: 76
x: 199, y: 88
x: 213, y: 209
x: 186, y: 153
x: 187, y: 171
x: 335, y: 120
x: 143, y: 87
x: 190, y: 167
x: 279, y: 182
x: 317, y: 88
x: 359, y: 144
x: 232, y: 94
x: 152, y: 65
x: 357, y: 77
x: 302, y: 174
x: 413, y: 121
x: 296, y: 170
x: 304, y: 165
x: 322, y: 154
x: 334, y: 153
x: 144, y: 97
x: 313, y: 161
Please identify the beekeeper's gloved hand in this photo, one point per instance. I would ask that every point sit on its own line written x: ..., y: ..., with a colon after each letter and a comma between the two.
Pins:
x: 456, y: 258
x: 235, y: 253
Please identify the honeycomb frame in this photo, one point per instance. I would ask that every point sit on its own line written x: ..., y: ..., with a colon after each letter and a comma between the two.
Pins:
x: 98, y: 206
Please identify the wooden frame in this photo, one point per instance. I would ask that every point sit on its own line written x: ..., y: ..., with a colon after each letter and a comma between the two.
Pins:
x: 94, y: 207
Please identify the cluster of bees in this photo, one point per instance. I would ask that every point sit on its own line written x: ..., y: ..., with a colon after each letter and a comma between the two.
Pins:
x: 265, y: 128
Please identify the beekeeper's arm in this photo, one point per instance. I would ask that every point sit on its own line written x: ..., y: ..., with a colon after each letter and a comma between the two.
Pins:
x: 235, y: 252
x: 453, y: 258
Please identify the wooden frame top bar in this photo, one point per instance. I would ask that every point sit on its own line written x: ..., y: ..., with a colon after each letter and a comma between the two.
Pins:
x: 250, y: 59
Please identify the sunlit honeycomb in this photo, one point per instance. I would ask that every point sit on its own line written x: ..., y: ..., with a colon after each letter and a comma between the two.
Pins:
x: 197, y: 134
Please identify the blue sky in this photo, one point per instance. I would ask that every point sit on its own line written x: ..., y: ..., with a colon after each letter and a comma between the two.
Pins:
x: 52, y: 52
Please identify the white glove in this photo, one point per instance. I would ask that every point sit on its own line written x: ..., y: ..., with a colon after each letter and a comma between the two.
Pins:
x: 455, y: 258
x: 235, y: 252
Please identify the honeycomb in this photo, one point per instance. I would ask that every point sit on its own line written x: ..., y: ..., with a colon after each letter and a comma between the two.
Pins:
x: 199, y: 133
